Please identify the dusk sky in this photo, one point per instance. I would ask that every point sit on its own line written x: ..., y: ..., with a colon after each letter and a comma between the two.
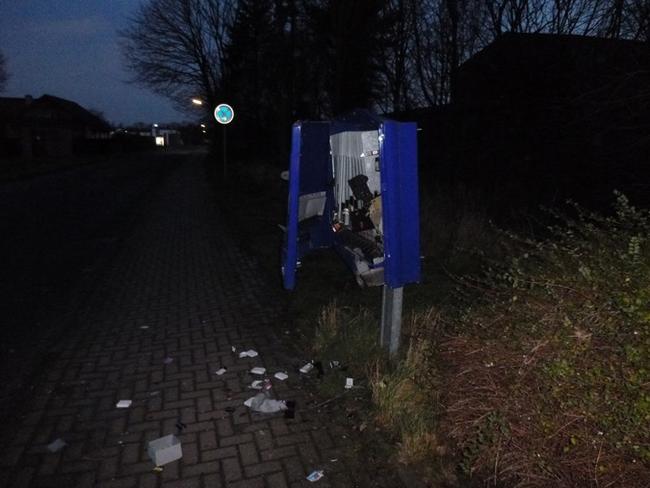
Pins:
x: 69, y: 49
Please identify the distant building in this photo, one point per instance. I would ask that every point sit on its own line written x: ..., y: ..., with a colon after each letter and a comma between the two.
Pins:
x: 47, y: 127
x: 166, y: 137
x: 543, y: 117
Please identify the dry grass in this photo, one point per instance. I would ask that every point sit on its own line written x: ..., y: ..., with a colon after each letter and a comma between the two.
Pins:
x: 541, y: 379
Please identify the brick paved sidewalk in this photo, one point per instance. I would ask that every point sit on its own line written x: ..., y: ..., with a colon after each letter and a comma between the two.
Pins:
x: 180, y: 289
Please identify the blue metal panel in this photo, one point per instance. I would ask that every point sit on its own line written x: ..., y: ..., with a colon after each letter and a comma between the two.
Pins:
x: 400, y: 207
x: 310, y: 171
x: 290, y: 251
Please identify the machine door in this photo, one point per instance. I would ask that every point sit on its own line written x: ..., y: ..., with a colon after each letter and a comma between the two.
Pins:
x: 310, y: 202
x: 400, y: 204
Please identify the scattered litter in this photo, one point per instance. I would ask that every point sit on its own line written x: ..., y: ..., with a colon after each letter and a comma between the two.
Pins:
x: 349, y: 383
x: 168, y: 360
x: 258, y: 370
x: 56, y: 445
x: 281, y: 376
x: 158, y: 469
x: 261, y: 403
x: 234, y: 349
x: 257, y: 385
x: 123, y: 404
x: 250, y: 354
x: 334, y: 460
x: 307, y: 368
x: 220, y: 371
x: 335, y: 364
x: 144, y: 326
x: 165, y: 450
x: 315, y: 476
x: 154, y: 393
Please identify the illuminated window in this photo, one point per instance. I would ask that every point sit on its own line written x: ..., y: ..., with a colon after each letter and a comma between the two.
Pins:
x: 160, y: 141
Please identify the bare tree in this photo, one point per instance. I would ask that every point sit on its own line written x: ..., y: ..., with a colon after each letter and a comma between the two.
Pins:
x: 394, y: 56
x: 177, y: 47
x: 4, y: 76
x: 445, y: 34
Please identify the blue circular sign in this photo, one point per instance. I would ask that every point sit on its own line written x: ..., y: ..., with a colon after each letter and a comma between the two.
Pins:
x: 224, y: 113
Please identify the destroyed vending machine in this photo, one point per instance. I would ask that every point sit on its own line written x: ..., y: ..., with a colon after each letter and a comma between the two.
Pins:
x: 353, y: 186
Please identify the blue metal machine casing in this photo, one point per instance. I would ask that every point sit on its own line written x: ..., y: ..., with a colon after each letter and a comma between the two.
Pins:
x: 316, y: 194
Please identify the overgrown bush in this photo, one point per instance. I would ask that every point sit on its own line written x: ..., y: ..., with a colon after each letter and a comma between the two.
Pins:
x: 549, y: 372
x: 536, y: 374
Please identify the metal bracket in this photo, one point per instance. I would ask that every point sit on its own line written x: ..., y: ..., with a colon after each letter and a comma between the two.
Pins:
x: 391, y: 318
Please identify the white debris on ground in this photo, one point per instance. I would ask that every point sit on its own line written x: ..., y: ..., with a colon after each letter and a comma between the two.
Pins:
x: 56, y: 445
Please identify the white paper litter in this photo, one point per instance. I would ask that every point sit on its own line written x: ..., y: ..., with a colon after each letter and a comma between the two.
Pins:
x: 260, y: 403
x: 123, y: 404
x: 349, y: 383
x: 258, y: 370
x: 165, y: 450
x: 56, y: 445
x: 234, y: 349
x: 250, y: 354
x: 257, y: 385
x: 220, y: 371
x: 281, y: 376
x: 144, y: 326
x: 307, y: 368
x: 315, y: 476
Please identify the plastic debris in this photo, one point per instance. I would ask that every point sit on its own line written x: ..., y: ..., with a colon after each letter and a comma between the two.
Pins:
x: 233, y: 348
x: 248, y: 354
x: 281, y: 376
x: 220, y: 371
x: 307, y: 368
x: 144, y: 327
x: 123, y: 404
x: 349, y: 383
x: 56, y: 445
x: 315, y: 476
x: 258, y: 370
x: 158, y: 469
x: 257, y: 385
x: 165, y: 450
x: 263, y: 404
x: 335, y: 364
x: 168, y: 360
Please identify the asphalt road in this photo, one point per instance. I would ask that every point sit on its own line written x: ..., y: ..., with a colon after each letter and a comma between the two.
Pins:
x: 57, y: 233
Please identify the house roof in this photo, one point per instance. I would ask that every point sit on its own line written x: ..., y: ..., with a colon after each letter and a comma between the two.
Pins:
x: 618, y: 51
x: 49, y: 110
x: 553, y: 65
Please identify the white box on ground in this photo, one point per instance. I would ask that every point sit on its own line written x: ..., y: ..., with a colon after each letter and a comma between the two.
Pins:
x: 165, y: 450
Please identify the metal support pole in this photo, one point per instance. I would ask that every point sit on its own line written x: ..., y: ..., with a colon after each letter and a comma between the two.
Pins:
x: 391, y: 318
x: 225, y: 171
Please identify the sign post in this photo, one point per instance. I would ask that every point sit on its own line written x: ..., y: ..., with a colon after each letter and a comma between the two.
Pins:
x: 224, y: 115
